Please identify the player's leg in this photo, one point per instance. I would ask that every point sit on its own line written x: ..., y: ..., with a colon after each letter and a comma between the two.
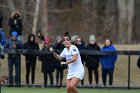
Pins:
x: 73, y: 83
x: 68, y: 86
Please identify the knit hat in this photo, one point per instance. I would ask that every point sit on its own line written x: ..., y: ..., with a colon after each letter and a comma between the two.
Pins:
x: 47, y: 40
x: 73, y: 38
x: 14, y: 33
x: 92, y: 38
x: 58, y: 37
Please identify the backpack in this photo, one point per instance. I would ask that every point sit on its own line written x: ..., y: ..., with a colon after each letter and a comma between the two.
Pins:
x: 138, y: 62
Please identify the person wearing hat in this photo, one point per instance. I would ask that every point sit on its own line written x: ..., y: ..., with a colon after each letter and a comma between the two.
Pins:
x: 47, y: 67
x: 2, y: 38
x: 15, y: 24
x: 13, y: 59
x: 92, y: 61
x: 59, y: 68
x: 30, y: 58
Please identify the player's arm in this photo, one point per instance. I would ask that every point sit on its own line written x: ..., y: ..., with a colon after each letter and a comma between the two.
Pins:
x: 73, y: 59
x: 58, y: 57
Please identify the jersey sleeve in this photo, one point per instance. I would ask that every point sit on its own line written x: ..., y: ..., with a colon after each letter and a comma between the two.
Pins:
x: 74, y: 50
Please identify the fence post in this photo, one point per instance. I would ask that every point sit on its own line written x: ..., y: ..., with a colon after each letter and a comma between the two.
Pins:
x: 129, y: 70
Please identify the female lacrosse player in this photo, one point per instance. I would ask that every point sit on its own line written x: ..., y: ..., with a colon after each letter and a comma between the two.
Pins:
x: 75, y: 66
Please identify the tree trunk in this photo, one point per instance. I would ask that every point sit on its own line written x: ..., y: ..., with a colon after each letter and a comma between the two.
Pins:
x: 130, y: 11
x: 36, y: 17
x: 44, y: 18
x: 126, y: 16
x: 122, y: 9
x: 110, y: 25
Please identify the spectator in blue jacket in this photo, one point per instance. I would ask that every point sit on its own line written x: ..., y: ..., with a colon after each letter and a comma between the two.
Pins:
x: 108, y: 62
x: 14, y: 59
x: 2, y: 38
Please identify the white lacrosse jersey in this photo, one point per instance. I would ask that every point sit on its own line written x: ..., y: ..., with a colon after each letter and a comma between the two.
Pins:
x: 75, y: 68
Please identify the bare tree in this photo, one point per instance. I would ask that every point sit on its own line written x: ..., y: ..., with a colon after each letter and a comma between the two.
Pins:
x: 44, y: 17
x: 35, y: 17
x: 130, y: 11
x: 126, y: 16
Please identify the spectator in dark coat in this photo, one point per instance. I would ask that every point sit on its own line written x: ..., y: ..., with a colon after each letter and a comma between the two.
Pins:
x: 81, y: 46
x: 1, y: 19
x: 59, y: 68
x: 15, y: 23
x: 108, y: 62
x: 30, y: 58
x: 47, y: 64
x: 92, y: 61
x: 14, y: 59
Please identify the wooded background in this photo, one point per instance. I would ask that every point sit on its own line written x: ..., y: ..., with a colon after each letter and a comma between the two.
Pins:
x: 114, y: 19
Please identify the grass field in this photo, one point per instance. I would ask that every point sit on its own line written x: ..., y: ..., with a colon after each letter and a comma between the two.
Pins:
x: 63, y: 90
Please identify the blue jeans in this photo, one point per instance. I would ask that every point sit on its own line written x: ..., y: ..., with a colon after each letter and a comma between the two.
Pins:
x: 14, y: 62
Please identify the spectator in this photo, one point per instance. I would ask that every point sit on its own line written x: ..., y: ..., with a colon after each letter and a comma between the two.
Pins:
x: 92, y: 61
x: 108, y: 62
x: 30, y: 58
x: 81, y: 46
x: 15, y: 23
x: 2, y: 38
x: 1, y: 19
x: 14, y: 59
x: 47, y: 64
x: 138, y: 62
x: 59, y: 68
x: 73, y: 39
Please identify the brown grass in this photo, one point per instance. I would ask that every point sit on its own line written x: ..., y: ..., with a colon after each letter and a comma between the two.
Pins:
x: 120, y: 75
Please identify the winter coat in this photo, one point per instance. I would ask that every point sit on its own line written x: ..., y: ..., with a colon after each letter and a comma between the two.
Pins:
x: 1, y: 19
x: 47, y: 62
x: 59, y: 47
x: 92, y: 60
x: 18, y: 26
x: 9, y: 45
x: 108, y: 61
x: 2, y: 38
x: 31, y: 45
